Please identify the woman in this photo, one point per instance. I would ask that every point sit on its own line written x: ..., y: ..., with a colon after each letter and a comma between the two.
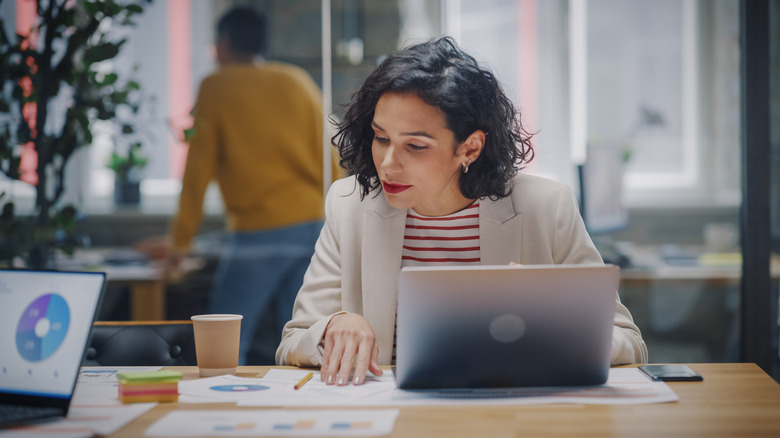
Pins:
x: 430, y: 139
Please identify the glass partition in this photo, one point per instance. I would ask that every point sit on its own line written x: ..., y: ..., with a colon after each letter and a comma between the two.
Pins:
x: 774, y: 193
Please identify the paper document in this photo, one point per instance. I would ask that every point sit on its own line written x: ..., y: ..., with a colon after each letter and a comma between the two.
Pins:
x: 222, y: 389
x: 277, y: 389
x: 98, y: 385
x: 195, y: 423
x: 624, y: 386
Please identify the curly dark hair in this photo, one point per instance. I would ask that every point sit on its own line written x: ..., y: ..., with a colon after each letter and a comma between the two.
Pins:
x: 470, y: 98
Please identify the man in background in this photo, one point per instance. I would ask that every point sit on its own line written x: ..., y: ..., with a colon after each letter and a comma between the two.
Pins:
x: 257, y: 132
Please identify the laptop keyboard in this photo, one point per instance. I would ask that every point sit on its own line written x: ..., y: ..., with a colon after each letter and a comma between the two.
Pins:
x: 17, y: 413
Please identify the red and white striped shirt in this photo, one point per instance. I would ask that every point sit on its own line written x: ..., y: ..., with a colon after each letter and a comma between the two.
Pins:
x: 441, y: 241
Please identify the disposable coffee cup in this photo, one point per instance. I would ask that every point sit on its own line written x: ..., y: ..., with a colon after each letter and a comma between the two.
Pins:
x: 216, y: 343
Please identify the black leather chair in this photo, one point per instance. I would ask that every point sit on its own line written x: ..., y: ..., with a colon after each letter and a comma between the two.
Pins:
x: 141, y: 343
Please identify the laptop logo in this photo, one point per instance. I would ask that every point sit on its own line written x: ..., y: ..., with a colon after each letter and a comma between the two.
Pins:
x: 507, y: 328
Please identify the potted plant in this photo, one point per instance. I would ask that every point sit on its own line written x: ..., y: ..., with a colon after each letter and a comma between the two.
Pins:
x: 126, y: 166
x: 54, y: 83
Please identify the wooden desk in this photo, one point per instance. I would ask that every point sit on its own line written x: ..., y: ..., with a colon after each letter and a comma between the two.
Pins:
x: 648, y: 266
x: 147, y: 290
x: 734, y: 400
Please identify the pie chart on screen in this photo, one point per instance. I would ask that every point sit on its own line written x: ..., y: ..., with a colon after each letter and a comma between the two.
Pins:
x: 42, y: 327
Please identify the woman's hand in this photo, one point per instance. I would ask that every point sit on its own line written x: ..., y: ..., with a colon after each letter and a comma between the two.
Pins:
x: 349, y: 339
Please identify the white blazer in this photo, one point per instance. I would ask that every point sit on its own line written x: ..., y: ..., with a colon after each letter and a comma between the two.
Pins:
x: 357, y: 259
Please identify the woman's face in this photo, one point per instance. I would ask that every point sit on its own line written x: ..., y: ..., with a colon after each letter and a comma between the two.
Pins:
x: 416, y: 157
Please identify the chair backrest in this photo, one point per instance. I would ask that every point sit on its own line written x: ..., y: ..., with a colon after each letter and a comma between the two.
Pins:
x: 141, y: 343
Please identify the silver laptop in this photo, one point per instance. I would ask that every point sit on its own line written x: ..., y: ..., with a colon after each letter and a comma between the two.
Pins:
x: 45, y: 323
x: 505, y: 326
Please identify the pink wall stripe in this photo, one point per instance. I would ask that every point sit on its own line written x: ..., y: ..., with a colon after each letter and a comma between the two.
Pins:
x: 528, y: 66
x: 180, y: 98
x: 26, y: 15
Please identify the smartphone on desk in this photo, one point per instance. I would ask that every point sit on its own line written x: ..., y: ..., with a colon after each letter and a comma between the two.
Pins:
x: 671, y: 373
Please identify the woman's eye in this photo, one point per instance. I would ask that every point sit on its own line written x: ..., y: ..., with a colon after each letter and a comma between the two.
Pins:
x: 417, y: 147
x: 380, y: 139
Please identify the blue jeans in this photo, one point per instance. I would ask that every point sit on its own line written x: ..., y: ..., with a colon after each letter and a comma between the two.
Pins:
x: 260, y: 267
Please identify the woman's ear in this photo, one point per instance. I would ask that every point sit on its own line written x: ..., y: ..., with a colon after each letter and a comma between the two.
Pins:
x: 472, y: 147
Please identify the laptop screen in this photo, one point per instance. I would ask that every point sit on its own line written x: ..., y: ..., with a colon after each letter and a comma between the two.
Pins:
x: 45, y: 321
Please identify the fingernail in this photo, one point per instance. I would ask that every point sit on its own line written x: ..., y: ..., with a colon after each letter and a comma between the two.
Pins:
x: 330, y: 379
x: 356, y: 381
x: 342, y: 381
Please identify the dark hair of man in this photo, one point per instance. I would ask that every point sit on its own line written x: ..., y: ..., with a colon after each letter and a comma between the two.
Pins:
x: 246, y: 30
x: 470, y: 98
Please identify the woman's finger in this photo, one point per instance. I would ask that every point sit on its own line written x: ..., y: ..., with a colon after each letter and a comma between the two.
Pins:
x: 333, y: 359
x: 363, y: 360
x: 374, y: 363
x: 345, y: 364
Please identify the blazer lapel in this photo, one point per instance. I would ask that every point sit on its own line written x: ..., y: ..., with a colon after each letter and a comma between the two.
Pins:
x: 381, y: 259
x: 499, y: 231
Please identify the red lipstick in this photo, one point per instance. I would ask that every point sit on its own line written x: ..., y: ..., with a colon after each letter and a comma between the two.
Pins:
x: 394, y: 188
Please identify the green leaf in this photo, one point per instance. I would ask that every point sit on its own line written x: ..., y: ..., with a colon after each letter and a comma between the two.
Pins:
x: 68, y: 17
x: 112, y: 8
x: 105, y: 114
x: 101, y: 52
x: 82, y: 118
x: 66, y: 216
x: 119, y: 97
x: 109, y: 79
x: 188, y: 133
x: 91, y: 7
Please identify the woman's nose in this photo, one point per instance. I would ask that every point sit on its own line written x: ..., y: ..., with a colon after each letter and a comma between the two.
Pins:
x: 390, y: 159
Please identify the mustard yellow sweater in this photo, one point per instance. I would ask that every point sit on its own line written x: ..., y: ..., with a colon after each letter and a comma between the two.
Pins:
x: 258, y: 133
